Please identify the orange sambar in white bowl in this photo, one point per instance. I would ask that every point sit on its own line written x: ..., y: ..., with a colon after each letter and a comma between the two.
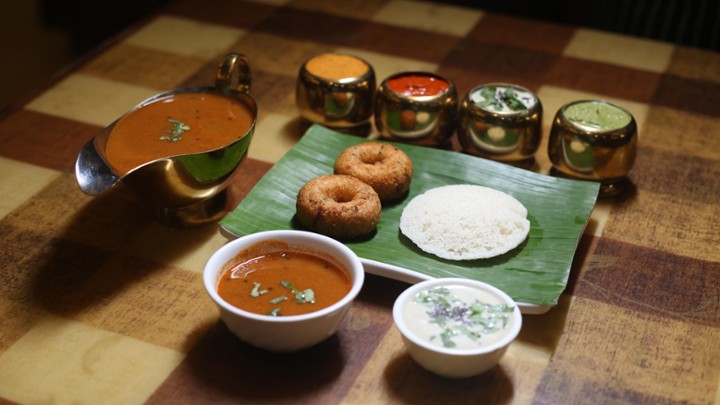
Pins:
x: 284, y: 283
x: 321, y: 269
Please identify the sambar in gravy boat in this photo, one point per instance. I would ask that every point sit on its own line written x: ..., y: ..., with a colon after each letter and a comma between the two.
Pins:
x: 178, y: 149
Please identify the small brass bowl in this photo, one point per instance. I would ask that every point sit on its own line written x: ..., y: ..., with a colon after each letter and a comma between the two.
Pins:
x: 594, y: 140
x: 500, y: 121
x: 336, y: 90
x: 417, y: 108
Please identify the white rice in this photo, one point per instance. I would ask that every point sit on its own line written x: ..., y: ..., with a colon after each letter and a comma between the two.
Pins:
x: 465, y: 222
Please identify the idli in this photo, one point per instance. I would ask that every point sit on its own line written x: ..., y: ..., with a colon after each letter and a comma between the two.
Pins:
x: 465, y: 222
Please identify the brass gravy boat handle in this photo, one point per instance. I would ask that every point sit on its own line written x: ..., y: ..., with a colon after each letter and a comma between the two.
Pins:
x: 234, y: 63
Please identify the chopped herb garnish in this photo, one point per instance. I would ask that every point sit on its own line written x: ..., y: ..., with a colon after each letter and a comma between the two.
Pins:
x: 499, y: 99
x: 488, y: 93
x: 274, y: 312
x: 511, y: 101
x: 446, y: 335
x: 175, y: 131
x: 256, y: 291
x: 301, y: 297
x: 279, y: 299
x: 308, y: 296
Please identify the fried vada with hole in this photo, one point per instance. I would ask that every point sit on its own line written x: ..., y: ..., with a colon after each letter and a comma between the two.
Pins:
x: 338, y: 206
x: 386, y: 168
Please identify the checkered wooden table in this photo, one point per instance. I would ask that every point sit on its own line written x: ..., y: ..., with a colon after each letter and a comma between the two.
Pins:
x: 101, y: 304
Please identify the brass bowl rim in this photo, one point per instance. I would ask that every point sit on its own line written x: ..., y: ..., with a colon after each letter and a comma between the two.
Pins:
x: 473, y: 107
x: 562, y: 120
x: 369, y: 75
x: 451, y: 92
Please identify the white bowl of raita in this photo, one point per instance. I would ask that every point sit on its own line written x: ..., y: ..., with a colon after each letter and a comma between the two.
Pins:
x: 456, y: 327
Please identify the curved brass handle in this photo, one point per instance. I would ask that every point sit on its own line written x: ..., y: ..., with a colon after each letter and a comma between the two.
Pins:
x: 234, y: 63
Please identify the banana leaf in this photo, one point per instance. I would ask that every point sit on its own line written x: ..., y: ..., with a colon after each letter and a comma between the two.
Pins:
x: 534, y: 274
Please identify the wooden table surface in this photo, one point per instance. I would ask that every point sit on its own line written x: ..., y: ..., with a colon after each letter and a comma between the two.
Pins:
x: 101, y: 304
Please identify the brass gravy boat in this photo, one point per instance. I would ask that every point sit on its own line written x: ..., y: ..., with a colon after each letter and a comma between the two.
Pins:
x: 185, y: 190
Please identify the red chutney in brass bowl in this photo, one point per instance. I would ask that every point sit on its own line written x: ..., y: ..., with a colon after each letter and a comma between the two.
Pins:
x: 284, y: 283
x: 418, y: 85
x: 417, y: 108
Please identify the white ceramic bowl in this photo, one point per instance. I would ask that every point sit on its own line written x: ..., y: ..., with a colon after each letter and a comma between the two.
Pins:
x: 454, y: 362
x: 285, y: 333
